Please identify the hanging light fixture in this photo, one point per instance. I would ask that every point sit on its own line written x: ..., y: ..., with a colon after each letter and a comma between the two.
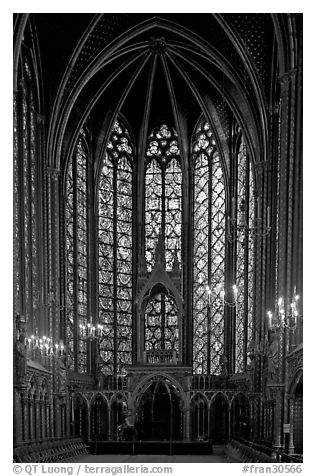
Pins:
x: 89, y: 331
x: 219, y: 293
x: 237, y: 229
x: 285, y: 315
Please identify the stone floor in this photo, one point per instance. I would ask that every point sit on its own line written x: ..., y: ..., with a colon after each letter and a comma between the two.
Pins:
x: 216, y: 457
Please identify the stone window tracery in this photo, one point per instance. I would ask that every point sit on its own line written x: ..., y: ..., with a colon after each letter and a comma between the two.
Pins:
x: 115, y: 205
x: 163, y: 195
x: 208, y: 252
x: 76, y: 214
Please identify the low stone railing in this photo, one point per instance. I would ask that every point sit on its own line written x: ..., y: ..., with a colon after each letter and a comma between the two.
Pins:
x: 160, y: 357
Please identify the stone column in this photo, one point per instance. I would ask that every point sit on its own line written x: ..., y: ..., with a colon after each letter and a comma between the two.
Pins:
x: 187, y: 419
x: 291, y: 421
x: 209, y: 422
x: 278, y: 420
x: 38, y: 419
x: 31, y: 418
x: 26, y: 430
x: 43, y: 415
x: 110, y: 424
x: 229, y: 420
x: 88, y: 433
x: 57, y: 415
x: 18, y: 416
x: 251, y: 418
x: 53, y: 287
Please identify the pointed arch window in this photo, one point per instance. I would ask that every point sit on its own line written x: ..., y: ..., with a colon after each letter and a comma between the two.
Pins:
x: 208, y: 252
x: 27, y: 206
x: 244, y: 259
x: 163, y: 194
x: 76, y: 214
x: 161, y: 324
x: 115, y: 213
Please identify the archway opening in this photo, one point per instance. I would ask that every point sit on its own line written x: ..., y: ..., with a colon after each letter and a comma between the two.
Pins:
x: 118, y: 415
x: 200, y: 414
x: 219, y: 419
x: 99, y: 419
x: 240, y: 417
x: 160, y: 414
x: 80, y: 417
x: 298, y: 417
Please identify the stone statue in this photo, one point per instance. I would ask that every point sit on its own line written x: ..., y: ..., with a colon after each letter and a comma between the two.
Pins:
x: 62, y: 373
x: 100, y: 379
x: 223, y: 364
x: 20, y: 358
x: 273, y: 359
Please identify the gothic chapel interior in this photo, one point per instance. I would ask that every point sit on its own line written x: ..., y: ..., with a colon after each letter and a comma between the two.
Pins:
x: 158, y: 229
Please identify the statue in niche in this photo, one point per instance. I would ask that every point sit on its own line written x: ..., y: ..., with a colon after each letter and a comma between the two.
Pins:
x: 100, y: 377
x: 142, y: 267
x: 273, y: 358
x: 223, y: 364
x: 62, y: 373
x: 251, y: 356
x: 20, y: 358
x: 20, y: 349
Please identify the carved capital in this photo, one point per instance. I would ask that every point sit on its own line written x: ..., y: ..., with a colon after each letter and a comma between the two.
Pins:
x: 40, y: 119
x: 274, y: 110
x: 287, y: 77
x: 53, y: 173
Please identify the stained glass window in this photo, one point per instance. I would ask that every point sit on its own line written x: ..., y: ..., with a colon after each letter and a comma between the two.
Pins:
x: 208, y: 252
x: 163, y: 194
x: 16, y: 209
x: 244, y: 259
x: 251, y: 261
x: 69, y: 215
x: 76, y: 212
x: 26, y: 176
x: 161, y: 324
x: 115, y: 252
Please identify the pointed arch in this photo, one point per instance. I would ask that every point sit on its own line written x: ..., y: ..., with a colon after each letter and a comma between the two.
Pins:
x: 115, y: 246
x: 77, y: 206
x: 209, y: 251
x: 163, y: 194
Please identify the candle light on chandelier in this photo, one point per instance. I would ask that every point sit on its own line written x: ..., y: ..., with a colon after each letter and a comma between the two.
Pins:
x: 44, y: 345
x: 89, y: 331
x: 284, y: 316
x: 220, y: 293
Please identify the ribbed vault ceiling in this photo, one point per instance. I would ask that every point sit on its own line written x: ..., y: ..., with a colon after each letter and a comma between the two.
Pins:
x: 171, y: 67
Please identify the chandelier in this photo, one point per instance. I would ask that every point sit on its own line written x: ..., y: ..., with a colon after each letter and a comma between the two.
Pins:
x: 237, y: 228
x: 44, y: 345
x: 36, y: 345
x: 219, y: 293
x: 285, y: 315
x: 91, y: 332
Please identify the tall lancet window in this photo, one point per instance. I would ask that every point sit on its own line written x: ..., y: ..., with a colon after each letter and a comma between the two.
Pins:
x: 163, y: 195
x: 115, y: 251
x: 76, y: 214
x: 244, y: 259
x: 208, y: 253
x: 27, y: 176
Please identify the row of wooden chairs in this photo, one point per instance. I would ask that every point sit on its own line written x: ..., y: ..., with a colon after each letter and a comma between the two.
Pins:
x: 50, y: 451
